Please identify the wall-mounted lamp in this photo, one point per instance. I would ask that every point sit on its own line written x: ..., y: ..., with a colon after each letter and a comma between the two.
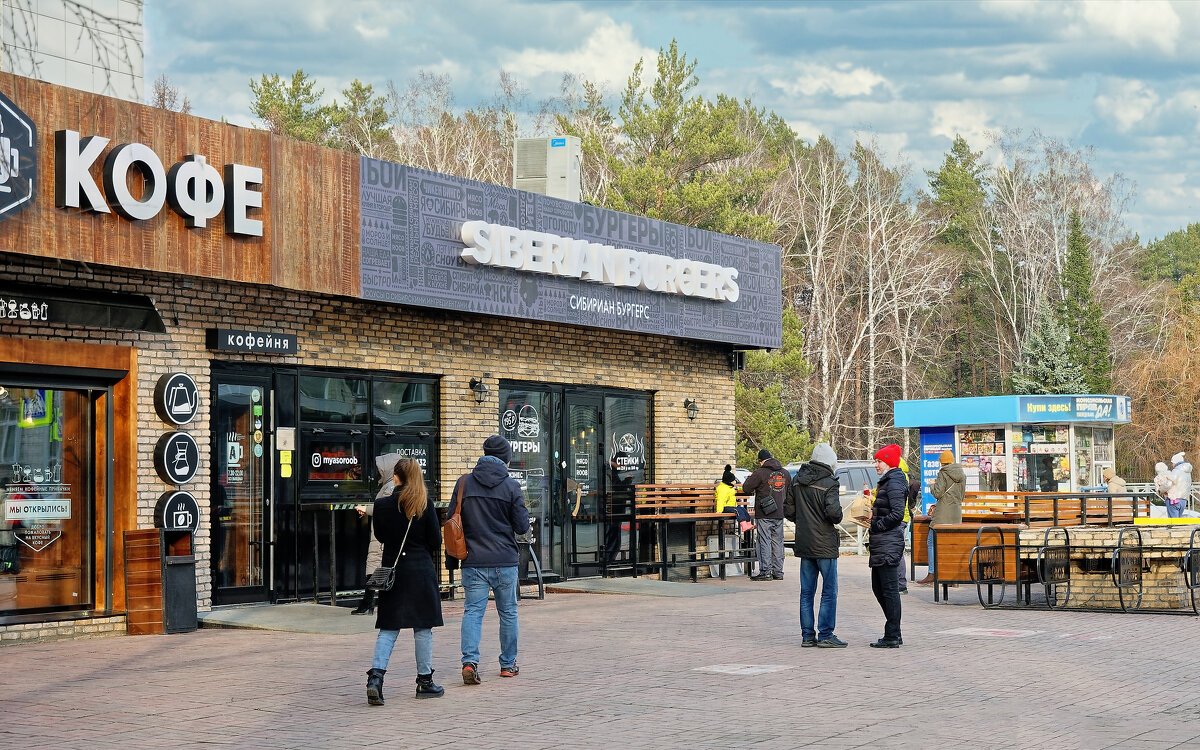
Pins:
x: 692, y: 407
x: 479, y: 389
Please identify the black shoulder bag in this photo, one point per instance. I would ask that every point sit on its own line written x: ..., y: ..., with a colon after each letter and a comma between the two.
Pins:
x: 384, y: 577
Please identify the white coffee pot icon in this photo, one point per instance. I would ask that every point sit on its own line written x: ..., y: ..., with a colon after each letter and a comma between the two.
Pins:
x: 9, y: 157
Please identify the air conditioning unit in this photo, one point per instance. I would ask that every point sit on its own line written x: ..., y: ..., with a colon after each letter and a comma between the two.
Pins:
x: 549, y: 166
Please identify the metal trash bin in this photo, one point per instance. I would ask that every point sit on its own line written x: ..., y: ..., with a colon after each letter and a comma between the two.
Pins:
x: 732, y: 541
x: 178, y: 583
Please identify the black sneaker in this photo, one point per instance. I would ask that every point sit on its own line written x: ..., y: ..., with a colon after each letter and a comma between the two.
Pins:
x: 761, y: 577
x: 831, y: 642
x: 904, y: 591
x: 778, y: 576
x: 808, y: 643
x: 887, y: 643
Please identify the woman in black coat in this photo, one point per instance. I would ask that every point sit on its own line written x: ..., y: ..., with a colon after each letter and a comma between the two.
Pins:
x: 408, y: 520
x: 887, y: 541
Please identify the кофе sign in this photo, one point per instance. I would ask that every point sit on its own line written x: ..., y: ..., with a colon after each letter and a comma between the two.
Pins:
x: 193, y: 188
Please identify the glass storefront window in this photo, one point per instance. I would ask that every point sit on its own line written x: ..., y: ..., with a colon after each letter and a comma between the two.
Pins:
x: 983, y: 455
x: 46, y: 520
x: 401, y: 403
x: 525, y: 420
x: 1042, y: 456
x: 337, y: 400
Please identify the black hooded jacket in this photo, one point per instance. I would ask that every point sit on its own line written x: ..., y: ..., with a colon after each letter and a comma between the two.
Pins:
x: 493, y: 514
x: 814, y: 505
x: 769, y: 479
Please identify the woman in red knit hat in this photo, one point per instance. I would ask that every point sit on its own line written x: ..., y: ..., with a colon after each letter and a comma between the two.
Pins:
x: 887, y: 541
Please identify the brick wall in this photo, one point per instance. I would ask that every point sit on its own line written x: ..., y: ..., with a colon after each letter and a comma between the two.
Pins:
x: 97, y: 627
x: 1163, y: 585
x: 349, y: 333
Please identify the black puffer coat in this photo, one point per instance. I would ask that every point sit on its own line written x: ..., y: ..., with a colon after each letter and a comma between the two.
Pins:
x: 414, y: 601
x: 887, y: 537
x: 814, y: 505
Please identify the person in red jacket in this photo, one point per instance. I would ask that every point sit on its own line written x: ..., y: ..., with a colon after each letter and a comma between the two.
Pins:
x: 887, y: 541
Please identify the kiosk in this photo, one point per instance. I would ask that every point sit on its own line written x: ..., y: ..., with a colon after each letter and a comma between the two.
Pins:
x: 1017, y: 443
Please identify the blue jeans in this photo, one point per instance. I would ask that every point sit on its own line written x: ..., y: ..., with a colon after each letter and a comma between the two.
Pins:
x: 477, y: 582
x: 929, y: 543
x: 422, y: 645
x: 809, y: 569
x: 1175, y: 510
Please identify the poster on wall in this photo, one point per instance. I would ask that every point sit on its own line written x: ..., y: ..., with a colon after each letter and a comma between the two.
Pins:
x: 934, y: 440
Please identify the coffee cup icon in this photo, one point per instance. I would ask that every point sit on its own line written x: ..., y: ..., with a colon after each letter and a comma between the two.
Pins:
x: 183, y: 518
x: 9, y: 161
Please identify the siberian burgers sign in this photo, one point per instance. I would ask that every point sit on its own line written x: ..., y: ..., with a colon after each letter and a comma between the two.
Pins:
x: 449, y: 243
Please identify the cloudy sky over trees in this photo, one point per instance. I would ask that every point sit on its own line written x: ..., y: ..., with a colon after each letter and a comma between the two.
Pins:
x: 1120, y: 77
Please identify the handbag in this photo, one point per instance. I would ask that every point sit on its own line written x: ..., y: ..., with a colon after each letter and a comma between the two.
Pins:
x: 384, y: 577
x: 452, y: 530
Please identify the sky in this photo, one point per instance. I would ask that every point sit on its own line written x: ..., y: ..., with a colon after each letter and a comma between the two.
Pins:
x: 1120, y: 78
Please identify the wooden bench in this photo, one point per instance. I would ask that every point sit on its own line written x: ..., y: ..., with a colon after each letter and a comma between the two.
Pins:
x: 662, y: 505
x: 954, y: 561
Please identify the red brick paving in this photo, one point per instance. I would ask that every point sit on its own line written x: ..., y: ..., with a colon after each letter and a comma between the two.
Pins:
x: 605, y: 671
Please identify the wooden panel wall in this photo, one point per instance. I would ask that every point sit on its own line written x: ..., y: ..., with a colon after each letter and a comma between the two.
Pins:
x: 310, y: 198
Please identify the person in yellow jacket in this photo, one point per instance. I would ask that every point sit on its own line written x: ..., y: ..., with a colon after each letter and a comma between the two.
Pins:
x: 727, y: 490
x: 726, y: 494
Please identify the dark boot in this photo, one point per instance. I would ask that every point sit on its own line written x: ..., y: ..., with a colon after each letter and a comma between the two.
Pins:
x: 375, y: 686
x: 367, y: 605
x: 426, y: 688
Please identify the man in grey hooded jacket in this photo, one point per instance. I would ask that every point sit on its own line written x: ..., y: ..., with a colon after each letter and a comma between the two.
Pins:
x: 814, y: 505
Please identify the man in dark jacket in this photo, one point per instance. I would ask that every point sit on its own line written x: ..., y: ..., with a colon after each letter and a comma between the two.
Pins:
x: 493, y: 514
x: 887, y: 541
x: 769, y: 483
x: 814, y: 505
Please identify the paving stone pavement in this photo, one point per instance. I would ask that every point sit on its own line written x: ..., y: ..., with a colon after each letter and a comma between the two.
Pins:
x: 635, y: 671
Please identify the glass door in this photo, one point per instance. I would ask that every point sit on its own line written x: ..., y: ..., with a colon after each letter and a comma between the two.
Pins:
x: 584, y: 484
x: 241, y: 505
x: 46, y: 489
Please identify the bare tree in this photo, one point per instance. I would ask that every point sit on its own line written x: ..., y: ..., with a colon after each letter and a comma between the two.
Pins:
x: 165, y: 96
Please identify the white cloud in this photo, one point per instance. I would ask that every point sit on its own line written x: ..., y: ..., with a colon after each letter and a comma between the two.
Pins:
x: 1137, y: 23
x: 843, y: 80
x: 609, y: 54
x: 806, y: 129
x: 970, y: 119
x: 1125, y: 103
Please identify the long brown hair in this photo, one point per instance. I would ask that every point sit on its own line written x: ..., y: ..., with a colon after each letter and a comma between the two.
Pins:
x: 411, y: 487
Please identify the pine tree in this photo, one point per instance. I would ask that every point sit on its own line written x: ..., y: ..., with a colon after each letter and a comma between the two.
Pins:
x: 1079, y: 313
x: 1046, y: 366
x: 959, y: 193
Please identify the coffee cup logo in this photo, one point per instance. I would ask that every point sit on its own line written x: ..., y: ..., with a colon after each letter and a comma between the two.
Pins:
x: 18, y: 162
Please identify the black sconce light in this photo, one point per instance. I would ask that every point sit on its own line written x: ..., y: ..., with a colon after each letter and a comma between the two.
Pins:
x: 692, y: 408
x: 479, y: 389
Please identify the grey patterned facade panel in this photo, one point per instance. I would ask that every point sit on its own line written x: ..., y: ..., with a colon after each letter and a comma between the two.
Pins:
x: 410, y: 255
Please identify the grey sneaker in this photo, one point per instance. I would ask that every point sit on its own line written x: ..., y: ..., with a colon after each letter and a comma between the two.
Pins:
x: 831, y: 642
x: 808, y: 643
